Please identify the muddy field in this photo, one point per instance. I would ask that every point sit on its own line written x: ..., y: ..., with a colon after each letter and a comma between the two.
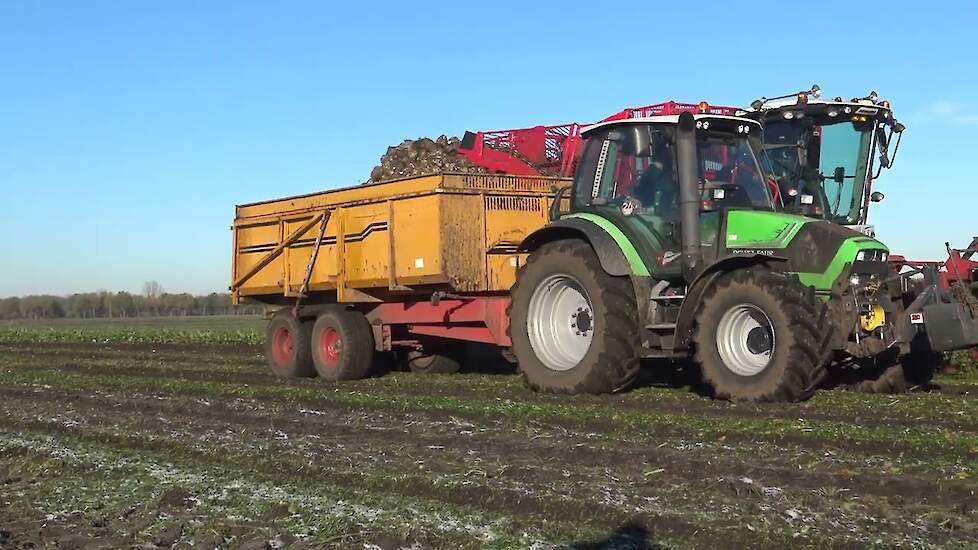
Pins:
x: 196, y: 445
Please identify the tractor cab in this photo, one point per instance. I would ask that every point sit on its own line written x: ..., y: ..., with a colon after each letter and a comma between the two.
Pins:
x: 629, y: 174
x: 825, y: 154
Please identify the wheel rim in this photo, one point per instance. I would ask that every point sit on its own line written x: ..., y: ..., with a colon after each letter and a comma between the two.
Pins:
x: 282, y: 345
x: 745, y: 339
x: 330, y: 346
x: 560, y: 322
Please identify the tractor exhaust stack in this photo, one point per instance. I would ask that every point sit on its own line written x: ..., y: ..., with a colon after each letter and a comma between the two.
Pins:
x: 689, y: 195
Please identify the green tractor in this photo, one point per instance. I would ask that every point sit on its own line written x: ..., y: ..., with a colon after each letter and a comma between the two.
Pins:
x: 674, y: 247
x: 825, y: 155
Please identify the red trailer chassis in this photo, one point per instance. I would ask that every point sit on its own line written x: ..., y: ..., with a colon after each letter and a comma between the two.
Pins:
x: 473, y: 319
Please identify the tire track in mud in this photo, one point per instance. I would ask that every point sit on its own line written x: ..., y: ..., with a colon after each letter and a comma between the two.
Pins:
x: 523, y: 509
x: 875, y: 417
x: 370, y: 435
x: 733, y: 495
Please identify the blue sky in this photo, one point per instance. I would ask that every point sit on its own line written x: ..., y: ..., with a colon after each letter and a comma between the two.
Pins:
x: 129, y: 130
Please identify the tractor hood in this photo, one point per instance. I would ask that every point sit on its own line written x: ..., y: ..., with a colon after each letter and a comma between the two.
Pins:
x: 817, y: 250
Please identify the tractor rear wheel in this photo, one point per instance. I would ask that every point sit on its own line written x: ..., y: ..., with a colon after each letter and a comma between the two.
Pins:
x: 574, y: 328
x: 287, y: 348
x: 342, y: 345
x: 758, y: 337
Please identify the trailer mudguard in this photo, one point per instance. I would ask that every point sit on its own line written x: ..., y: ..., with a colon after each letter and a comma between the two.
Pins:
x: 617, y: 255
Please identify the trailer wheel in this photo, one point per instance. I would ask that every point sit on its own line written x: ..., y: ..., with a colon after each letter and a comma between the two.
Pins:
x: 287, y: 348
x: 757, y: 337
x: 342, y: 345
x: 574, y: 328
x: 432, y: 363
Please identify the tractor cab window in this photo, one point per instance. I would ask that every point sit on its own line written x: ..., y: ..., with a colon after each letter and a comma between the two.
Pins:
x: 730, y: 175
x: 634, y: 167
x: 631, y: 166
x: 844, y: 152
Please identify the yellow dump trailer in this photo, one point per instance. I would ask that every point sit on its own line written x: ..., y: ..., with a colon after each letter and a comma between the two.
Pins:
x: 401, y: 262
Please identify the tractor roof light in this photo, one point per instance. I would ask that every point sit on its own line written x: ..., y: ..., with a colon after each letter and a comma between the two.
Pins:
x: 885, y: 103
x: 833, y: 112
x: 757, y: 104
x: 703, y: 107
x: 816, y: 91
x: 706, y: 124
x: 789, y: 115
x: 847, y: 109
x: 873, y: 96
x: 802, y: 98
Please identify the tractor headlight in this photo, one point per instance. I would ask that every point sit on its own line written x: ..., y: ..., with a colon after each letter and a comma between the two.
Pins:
x: 861, y: 255
x: 854, y: 280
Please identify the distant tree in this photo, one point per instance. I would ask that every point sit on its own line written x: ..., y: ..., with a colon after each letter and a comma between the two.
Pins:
x: 121, y: 304
x: 152, y: 289
x: 10, y: 308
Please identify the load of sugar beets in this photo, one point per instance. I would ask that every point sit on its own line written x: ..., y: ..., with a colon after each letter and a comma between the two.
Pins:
x: 416, y: 157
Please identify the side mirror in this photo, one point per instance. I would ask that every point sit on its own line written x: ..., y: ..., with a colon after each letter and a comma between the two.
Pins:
x: 839, y: 175
x: 876, y: 196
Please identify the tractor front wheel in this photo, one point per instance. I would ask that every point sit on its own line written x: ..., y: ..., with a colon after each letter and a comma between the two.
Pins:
x: 574, y: 328
x: 758, y: 338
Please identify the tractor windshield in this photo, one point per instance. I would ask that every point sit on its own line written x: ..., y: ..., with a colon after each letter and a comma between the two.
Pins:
x: 821, y: 165
x: 843, y: 160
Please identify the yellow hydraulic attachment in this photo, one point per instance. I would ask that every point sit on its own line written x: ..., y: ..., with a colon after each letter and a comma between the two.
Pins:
x: 874, y: 319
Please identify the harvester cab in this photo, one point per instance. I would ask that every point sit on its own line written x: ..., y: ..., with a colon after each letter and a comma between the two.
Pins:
x: 826, y: 153
x: 674, y: 247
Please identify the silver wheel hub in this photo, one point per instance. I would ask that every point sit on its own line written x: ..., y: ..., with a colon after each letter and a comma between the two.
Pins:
x: 745, y: 339
x: 560, y: 322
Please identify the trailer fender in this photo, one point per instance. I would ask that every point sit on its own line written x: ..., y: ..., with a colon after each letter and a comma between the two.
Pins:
x: 617, y: 256
x: 687, y: 311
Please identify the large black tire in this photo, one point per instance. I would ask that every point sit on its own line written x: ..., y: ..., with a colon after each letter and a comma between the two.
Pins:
x: 432, y: 363
x: 919, y: 368
x: 436, y: 357
x: 287, y: 348
x: 342, y: 345
x: 790, y: 340
x: 887, y: 378
x: 609, y: 361
x: 913, y: 371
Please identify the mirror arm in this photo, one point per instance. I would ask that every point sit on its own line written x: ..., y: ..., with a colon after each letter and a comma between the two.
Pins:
x: 555, y: 206
x: 896, y: 147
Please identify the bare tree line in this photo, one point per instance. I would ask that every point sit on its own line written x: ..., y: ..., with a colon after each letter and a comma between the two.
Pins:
x: 153, y: 302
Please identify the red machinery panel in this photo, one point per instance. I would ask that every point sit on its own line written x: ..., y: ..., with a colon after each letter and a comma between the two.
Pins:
x: 552, y: 150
